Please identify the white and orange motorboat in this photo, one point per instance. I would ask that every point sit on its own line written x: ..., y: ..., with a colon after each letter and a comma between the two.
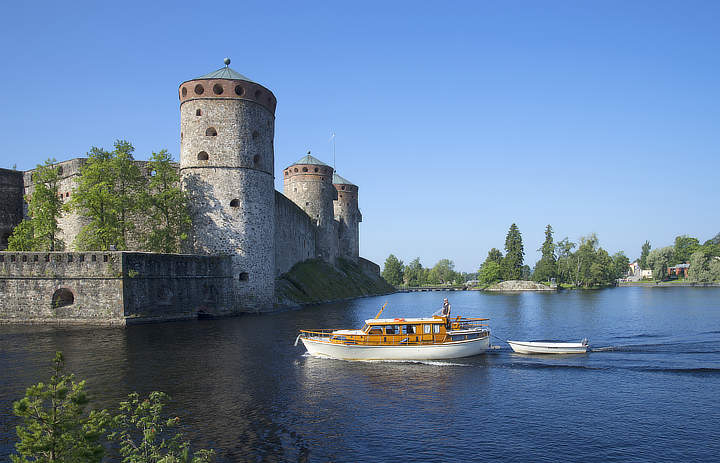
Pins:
x: 433, y: 338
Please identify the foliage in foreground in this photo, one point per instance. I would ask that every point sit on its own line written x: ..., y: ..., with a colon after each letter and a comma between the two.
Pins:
x: 57, y: 429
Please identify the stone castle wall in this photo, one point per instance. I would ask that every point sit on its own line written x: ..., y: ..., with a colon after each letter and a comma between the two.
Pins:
x: 295, y: 234
x: 111, y: 287
x: 11, y: 203
x: 348, y: 217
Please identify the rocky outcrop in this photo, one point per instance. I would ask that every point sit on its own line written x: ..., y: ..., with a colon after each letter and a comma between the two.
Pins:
x: 520, y: 285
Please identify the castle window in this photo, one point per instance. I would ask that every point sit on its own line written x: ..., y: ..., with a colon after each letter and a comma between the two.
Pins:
x: 217, y: 89
x: 24, y: 258
x: 342, y: 187
x: 70, y: 257
x: 255, y: 134
x: 244, y: 276
x: 105, y: 258
x: 94, y: 258
x: 12, y: 258
x: 307, y: 203
x: 286, y: 173
x: 184, y: 92
x: 63, y: 297
x: 81, y: 258
x: 341, y: 196
x: 47, y: 257
x: 181, y: 135
x: 211, y: 132
x: 67, y: 195
x: 257, y: 94
x: 256, y: 159
x: 239, y: 90
x: 198, y: 112
x: 296, y: 169
x: 199, y: 89
x: 235, y: 203
x: 304, y: 169
x: 202, y: 156
x: 316, y: 169
x: 35, y: 258
x: 60, y: 170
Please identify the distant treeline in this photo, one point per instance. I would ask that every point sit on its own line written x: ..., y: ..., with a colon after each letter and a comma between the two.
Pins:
x: 443, y: 272
x: 704, y: 259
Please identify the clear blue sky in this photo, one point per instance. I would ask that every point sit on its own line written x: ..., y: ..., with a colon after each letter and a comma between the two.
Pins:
x: 455, y: 119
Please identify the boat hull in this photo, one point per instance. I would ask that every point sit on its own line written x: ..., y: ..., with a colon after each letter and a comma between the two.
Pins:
x: 443, y: 351
x: 548, y: 347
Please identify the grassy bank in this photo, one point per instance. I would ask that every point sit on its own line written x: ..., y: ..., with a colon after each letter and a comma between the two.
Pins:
x: 315, y: 281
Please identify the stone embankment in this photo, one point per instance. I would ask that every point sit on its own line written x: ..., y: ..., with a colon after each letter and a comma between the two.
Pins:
x: 520, y: 285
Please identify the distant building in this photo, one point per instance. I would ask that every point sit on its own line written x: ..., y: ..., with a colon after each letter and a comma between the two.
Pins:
x: 680, y: 270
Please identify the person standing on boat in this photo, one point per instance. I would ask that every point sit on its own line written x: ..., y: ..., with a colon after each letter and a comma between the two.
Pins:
x: 446, y: 308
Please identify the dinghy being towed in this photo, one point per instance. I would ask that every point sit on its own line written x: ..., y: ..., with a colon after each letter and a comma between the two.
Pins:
x: 549, y: 347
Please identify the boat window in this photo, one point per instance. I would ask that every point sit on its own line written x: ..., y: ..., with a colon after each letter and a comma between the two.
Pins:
x: 375, y: 330
x: 436, y: 328
x: 391, y: 329
x: 365, y: 328
x: 408, y: 329
x: 427, y: 329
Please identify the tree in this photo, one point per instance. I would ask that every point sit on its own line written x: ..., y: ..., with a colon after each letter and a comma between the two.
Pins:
x: 564, y: 261
x: 55, y: 426
x: 145, y: 436
x: 108, y: 193
x: 444, y: 271
x: 704, y: 268
x: 414, y: 275
x: 514, y: 252
x: 684, y: 247
x: 490, y: 272
x: 40, y: 231
x: 621, y: 265
x: 393, y: 270
x: 546, y: 267
x: 166, y: 205
x: 494, y: 255
x: 643, y: 255
x: 659, y: 260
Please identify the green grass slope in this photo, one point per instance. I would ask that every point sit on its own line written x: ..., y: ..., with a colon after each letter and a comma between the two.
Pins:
x: 315, y: 281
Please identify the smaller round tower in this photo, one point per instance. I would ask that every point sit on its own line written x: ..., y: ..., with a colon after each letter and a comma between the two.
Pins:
x: 308, y: 183
x: 348, y: 216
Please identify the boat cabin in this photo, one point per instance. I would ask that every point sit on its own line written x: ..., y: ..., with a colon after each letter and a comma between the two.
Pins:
x: 408, y: 331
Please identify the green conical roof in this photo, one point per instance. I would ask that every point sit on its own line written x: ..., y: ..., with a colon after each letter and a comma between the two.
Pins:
x: 226, y: 73
x: 313, y: 161
x: 338, y: 180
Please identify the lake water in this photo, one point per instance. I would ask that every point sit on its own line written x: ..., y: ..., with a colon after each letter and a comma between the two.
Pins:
x: 649, y: 390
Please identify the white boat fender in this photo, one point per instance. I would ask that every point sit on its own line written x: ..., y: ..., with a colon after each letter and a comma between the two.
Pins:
x: 297, y: 339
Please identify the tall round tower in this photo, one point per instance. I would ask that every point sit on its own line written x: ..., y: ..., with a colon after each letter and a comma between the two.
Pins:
x: 308, y: 183
x: 348, y: 215
x: 227, y: 125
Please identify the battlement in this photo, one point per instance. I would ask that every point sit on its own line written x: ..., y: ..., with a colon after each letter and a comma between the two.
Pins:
x: 227, y: 89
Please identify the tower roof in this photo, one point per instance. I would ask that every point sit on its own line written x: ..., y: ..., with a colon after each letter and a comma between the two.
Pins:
x: 338, y: 180
x: 226, y: 73
x: 312, y: 160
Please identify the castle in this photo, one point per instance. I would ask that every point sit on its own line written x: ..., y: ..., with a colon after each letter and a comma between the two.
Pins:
x: 227, y: 125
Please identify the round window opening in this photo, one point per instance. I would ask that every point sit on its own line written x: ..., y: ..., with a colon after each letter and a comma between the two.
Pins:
x: 199, y: 89
x: 217, y: 89
x: 296, y: 169
x: 244, y: 276
x: 235, y: 203
x: 184, y: 91
x: 304, y: 169
x: 239, y: 90
x: 211, y: 132
x: 63, y: 297
x: 203, y: 156
x: 316, y: 169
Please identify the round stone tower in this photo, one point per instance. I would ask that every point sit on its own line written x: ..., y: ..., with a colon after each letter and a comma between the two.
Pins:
x: 348, y: 216
x: 308, y: 183
x: 11, y: 206
x: 227, y: 125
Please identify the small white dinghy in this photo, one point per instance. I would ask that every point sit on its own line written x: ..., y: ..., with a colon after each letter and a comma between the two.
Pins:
x: 549, y: 347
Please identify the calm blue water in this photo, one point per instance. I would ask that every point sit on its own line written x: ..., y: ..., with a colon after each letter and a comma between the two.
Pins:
x: 649, y: 391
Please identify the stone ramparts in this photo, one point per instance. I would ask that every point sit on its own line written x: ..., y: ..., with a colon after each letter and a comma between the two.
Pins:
x: 111, y: 288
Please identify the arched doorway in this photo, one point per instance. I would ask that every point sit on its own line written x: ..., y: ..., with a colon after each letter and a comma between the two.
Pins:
x: 63, y: 297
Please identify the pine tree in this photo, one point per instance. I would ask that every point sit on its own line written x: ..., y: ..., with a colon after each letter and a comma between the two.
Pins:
x: 546, y: 267
x: 55, y: 427
x: 514, y: 253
